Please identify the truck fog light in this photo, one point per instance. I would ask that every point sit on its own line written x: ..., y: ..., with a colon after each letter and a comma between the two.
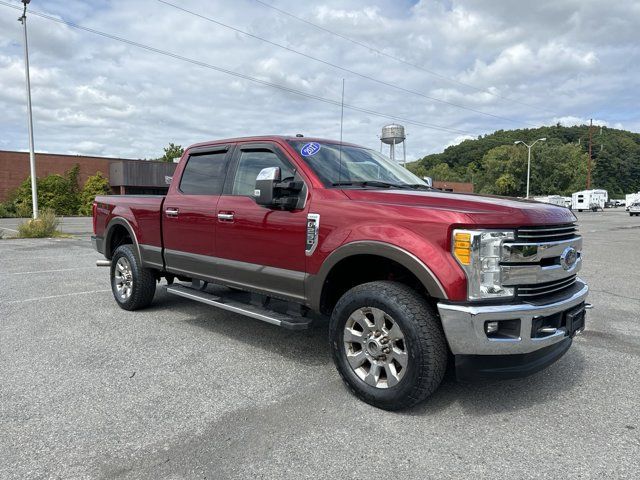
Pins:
x: 491, y: 327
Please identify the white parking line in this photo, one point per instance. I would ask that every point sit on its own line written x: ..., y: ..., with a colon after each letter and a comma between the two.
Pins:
x: 52, y: 296
x: 10, y: 229
x: 49, y: 271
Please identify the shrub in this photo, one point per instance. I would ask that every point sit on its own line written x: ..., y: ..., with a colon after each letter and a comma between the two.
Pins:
x: 7, y: 210
x: 46, y: 225
x: 95, y: 185
x: 56, y: 192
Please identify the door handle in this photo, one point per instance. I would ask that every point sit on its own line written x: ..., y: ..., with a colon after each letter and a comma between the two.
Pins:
x: 171, y: 212
x: 225, y: 217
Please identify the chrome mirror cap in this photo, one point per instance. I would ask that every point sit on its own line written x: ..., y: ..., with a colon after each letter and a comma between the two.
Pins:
x: 269, y: 173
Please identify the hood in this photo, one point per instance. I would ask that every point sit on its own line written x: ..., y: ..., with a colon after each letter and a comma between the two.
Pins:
x: 469, y: 208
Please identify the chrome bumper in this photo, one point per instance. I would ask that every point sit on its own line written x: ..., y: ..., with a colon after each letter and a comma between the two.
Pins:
x: 464, y: 324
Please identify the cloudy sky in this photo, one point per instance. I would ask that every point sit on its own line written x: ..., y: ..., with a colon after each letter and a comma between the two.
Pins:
x: 468, y: 67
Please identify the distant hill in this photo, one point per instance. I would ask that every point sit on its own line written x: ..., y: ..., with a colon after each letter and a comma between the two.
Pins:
x: 558, y: 166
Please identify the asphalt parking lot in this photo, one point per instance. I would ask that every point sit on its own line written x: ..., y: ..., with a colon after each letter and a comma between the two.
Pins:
x: 182, y: 390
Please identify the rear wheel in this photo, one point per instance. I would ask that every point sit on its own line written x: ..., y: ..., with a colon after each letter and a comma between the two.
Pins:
x: 388, y: 344
x: 132, y: 285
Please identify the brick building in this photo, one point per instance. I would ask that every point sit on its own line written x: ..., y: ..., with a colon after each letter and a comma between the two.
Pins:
x: 458, y: 187
x: 125, y: 175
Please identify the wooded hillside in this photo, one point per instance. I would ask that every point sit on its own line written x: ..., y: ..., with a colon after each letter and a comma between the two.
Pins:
x: 558, y: 166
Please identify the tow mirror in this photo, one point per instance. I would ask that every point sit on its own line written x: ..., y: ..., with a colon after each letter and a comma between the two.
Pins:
x: 271, y: 192
x: 265, y: 185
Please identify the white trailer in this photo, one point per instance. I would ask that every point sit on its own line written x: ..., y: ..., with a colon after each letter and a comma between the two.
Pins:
x: 552, y: 199
x: 630, y: 199
x: 589, y: 200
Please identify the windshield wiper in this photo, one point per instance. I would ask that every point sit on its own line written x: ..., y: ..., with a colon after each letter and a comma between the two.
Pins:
x: 369, y: 183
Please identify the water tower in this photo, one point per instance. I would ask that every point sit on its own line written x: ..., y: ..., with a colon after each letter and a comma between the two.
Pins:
x: 393, y: 135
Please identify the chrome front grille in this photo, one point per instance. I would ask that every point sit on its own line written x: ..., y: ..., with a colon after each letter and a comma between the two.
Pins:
x: 531, y: 263
x: 541, y: 289
x: 547, y: 233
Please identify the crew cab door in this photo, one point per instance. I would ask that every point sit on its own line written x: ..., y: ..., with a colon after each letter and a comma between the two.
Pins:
x: 189, y: 213
x: 260, y: 247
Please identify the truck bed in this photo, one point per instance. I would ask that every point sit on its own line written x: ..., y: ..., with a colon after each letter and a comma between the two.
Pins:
x: 143, y: 212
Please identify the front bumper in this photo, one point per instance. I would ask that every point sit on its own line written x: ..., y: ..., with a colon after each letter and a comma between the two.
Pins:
x: 472, y: 368
x: 464, y: 324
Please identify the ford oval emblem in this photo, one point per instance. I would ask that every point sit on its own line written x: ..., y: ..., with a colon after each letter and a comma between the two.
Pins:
x: 310, y: 149
x: 569, y: 258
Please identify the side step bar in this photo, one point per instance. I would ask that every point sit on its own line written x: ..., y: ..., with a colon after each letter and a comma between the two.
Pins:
x: 250, y: 310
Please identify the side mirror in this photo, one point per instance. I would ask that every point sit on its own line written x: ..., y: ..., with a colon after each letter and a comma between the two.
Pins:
x: 271, y: 192
x: 428, y: 181
x: 265, y: 186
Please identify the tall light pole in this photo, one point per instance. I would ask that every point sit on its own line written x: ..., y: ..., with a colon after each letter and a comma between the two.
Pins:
x: 529, y: 158
x: 32, y: 156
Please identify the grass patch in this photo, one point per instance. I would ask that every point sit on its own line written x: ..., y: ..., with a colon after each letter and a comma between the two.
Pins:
x: 46, y: 225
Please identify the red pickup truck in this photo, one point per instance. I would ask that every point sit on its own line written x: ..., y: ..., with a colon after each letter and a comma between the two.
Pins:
x: 292, y: 230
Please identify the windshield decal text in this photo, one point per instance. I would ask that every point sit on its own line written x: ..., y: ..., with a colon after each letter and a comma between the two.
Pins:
x: 310, y: 149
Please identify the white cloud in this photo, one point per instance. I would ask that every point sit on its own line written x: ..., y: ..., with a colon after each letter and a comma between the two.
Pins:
x: 561, y: 61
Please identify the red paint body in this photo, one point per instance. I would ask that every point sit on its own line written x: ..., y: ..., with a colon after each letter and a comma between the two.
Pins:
x: 419, y: 222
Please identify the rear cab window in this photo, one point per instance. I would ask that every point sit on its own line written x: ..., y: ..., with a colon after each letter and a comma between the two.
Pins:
x: 204, y: 173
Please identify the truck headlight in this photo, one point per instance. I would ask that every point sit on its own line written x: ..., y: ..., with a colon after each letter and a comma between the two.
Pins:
x: 478, y: 252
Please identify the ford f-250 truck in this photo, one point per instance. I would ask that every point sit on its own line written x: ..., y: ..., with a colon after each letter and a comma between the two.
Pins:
x: 291, y: 230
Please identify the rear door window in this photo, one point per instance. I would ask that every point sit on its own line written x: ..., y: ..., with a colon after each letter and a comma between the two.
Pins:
x: 204, y: 174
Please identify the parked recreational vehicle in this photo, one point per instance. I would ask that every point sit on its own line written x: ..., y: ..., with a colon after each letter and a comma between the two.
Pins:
x: 631, y: 199
x: 589, y: 200
x: 552, y: 199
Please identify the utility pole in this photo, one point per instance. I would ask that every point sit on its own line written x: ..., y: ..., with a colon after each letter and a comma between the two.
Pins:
x: 32, y: 156
x: 589, y: 164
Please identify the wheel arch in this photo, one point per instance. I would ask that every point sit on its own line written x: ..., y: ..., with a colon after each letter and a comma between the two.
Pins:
x: 116, y: 234
x: 321, y: 285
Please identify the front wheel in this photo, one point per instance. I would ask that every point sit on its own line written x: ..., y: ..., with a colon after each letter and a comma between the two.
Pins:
x: 133, y: 286
x: 388, y: 344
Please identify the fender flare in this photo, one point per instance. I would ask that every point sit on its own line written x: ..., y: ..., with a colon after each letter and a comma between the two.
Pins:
x: 315, y: 283
x: 110, y: 229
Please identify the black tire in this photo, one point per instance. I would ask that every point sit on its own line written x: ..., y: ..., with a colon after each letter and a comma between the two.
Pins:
x: 424, y: 340
x: 143, y: 280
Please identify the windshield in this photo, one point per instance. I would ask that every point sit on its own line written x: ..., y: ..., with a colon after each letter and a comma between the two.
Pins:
x: 354, y: 166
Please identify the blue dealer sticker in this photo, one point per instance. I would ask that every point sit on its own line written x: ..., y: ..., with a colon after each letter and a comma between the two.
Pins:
x: 310, y: 149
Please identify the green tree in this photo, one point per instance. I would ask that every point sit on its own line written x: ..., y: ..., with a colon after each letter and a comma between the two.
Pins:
x: 503, y: 171
x: 558, y: 166
x: 506, y: 184
x: 95, y: 185
x: 171, y: 152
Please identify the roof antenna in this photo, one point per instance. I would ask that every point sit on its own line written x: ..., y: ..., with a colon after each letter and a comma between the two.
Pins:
x: 341, y: 122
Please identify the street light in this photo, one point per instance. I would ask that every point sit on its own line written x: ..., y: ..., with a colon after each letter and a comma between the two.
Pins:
x: 32, y: 157
x: 529, y: 157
